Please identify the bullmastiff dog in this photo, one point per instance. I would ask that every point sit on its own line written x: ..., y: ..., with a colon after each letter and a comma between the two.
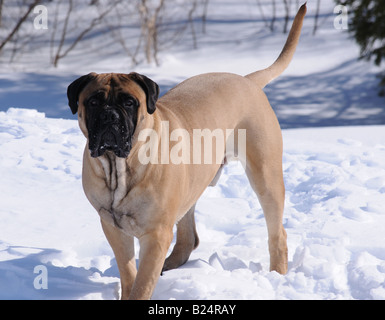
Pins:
x: 142, y: 193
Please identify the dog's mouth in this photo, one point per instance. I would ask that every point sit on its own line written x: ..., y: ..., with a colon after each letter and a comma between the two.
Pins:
x: 110, y: 130
x: 110, y: 140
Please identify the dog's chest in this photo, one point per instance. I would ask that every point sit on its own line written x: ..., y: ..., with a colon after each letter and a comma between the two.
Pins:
x: 115, y: 170
x: 120, y: 212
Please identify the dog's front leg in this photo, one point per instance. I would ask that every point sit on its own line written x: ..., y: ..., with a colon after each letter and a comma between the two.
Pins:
x: 153, y: 251
x: 124, y: 250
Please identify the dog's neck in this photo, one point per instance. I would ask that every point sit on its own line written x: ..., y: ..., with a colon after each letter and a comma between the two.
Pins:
x: 116, y: 174
x: 114, y: 169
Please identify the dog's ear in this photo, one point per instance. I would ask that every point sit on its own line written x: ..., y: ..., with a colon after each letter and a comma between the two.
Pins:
x: 75, y: 88
x: 149, y: 87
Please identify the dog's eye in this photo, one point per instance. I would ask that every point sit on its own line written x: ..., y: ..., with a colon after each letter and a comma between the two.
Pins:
x: 128, y: 103
x: 93, y: 102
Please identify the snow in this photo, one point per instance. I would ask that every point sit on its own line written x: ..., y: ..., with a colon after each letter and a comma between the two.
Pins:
x: 334, y: 217
x: 334, y: 170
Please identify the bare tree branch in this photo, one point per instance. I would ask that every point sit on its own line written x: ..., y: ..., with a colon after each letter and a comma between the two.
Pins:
x: 273, y: 17
x: 204, y: 14
x: 18, y: 25
x: 262, y: 14
x: 150, y: 24
x: 191, y: 22
x: 287, y: 15
x: 60, y: 52
x: 1, y: 10
x: 316, y: 17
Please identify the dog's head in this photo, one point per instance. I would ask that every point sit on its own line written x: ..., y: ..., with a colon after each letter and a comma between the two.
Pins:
x: 108, y: 106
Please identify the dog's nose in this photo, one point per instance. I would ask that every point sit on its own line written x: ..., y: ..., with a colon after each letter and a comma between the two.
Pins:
x: 109, y: 116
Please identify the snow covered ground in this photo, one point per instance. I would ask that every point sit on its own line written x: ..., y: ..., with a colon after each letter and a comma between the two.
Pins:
x: 334, y: 218
x: 334, y: 176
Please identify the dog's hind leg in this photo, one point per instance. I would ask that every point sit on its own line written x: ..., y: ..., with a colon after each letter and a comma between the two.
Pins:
x: 186, y: 241
x: 269, y: 188
x: 266, y: 178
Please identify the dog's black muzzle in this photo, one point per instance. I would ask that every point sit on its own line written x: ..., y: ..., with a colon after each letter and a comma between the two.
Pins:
x: 110, y: 131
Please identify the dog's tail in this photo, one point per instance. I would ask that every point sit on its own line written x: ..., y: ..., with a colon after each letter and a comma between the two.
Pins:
x: 263, y: 77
